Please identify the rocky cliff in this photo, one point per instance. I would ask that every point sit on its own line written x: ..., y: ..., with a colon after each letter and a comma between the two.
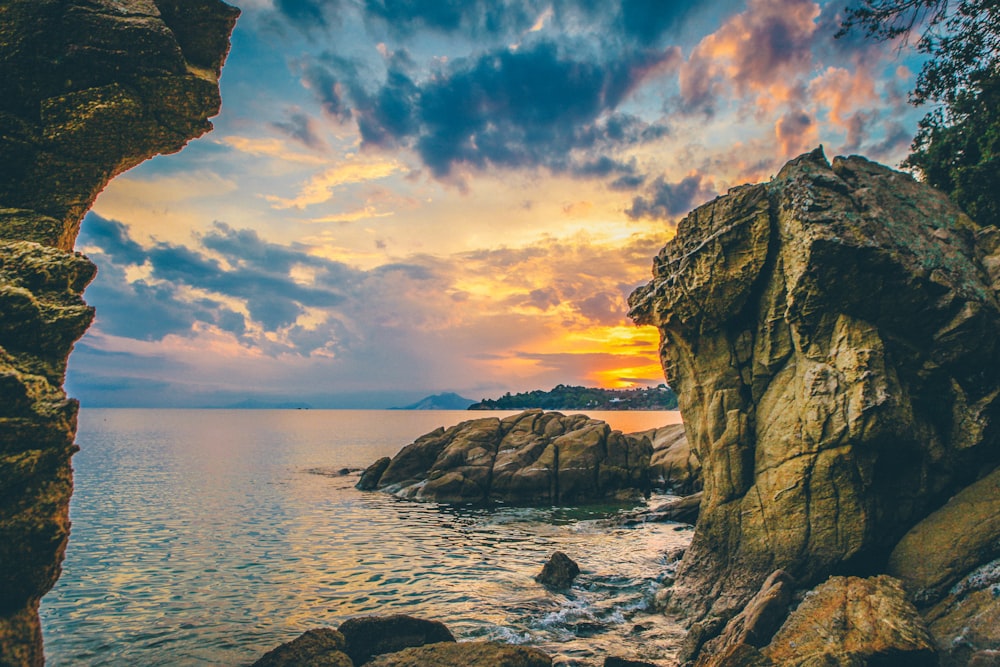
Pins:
x: 832, y: 337
x: 90, y: 88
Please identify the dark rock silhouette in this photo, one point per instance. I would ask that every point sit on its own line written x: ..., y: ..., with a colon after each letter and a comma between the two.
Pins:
x: 559, y: 571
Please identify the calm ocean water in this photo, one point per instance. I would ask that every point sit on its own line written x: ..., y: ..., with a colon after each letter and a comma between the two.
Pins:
x: 207, y: 537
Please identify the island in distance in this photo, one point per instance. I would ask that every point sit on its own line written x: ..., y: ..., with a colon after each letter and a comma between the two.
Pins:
x: 563, y: 397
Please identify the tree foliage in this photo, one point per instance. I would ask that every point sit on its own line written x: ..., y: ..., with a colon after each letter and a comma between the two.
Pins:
x: 956, y: 148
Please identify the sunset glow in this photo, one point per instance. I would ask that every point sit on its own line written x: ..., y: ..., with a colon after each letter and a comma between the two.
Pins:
x: 404, y: 199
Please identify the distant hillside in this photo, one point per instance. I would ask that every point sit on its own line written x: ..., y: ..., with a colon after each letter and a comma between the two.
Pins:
x: 446, y: 401
x: 585, y: 398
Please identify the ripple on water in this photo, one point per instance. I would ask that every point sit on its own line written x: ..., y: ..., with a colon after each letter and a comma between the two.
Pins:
x: 201, y: 549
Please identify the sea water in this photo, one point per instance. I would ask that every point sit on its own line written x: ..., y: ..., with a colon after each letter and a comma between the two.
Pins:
x: 208, y: 537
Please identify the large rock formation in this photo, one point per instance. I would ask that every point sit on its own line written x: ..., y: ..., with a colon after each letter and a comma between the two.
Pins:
x: 89, y: 89
x: 529, y: 458
x: 832, y: 338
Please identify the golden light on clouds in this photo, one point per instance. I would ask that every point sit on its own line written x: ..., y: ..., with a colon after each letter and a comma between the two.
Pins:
x: 320, y: 187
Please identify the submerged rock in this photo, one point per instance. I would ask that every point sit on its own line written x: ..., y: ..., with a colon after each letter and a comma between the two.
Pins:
x: 831, y: 336
x: 90, y: 88
x: 534, y: 457
x: 558, y: 572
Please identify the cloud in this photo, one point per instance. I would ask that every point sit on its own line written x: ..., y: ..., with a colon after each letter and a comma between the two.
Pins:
x: 760, y: 51
x: 796, y: 132
x: 666, y: 200
x: 302, y: 127
x: 319, y: 188
x: 510, y: 108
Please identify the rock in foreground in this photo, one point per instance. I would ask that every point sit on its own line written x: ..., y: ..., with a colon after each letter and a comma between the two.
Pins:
x: 832, y: 338
x: 558, y: 572
x: 534, y: 457
x: 465, y: 654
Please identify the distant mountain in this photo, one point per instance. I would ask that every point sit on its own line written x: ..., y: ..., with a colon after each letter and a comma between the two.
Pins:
x: 446, y: 401
x: 564, y: 397
x: 253, y: 404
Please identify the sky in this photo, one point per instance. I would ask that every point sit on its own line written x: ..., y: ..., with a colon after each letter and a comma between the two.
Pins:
x: 407, y: 197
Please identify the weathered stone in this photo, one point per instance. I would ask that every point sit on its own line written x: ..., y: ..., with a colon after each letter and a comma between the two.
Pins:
x: 967, y: 622
x: 465, y: 654
x: 673, y: 464
x: 368, y: 636
x: 321, y: 647
x: 89, y: 88
x: 831, y: 336
x: 558, y: 572
x: 530, y: 458
x: 951, y: 542
x: 849, y: 621
x: 755, y: 625
x: 372, y: 474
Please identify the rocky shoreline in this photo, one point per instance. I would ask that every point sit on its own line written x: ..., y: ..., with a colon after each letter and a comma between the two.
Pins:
x: 536, y: 457
x: 831, y: 336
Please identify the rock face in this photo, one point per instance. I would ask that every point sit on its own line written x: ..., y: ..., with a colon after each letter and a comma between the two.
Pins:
x: 89, y: 89
x: 673, y: 464
x: 832, y: 339
x: 530, y: 458
x: 853, y: 621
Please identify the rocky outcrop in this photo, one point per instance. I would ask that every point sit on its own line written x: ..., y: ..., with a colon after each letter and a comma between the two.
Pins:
x: 831, y: 335
x: 529, y: 458
x: 89, y: 89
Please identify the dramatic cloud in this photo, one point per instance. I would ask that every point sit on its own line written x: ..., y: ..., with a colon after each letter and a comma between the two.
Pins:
x: 666, y: 200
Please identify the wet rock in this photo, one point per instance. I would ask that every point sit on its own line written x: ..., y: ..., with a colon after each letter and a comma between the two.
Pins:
x: 534, y: 457
x: 372, y: 474
x: 966, y: 623
x: 465, y: 654
x: 558, y: 572
x: 683, y: 510
x: 369, y: 636
x: 321, y: 647
x: 951, y: 542
x: 831, y: 336
x: 854, y: 621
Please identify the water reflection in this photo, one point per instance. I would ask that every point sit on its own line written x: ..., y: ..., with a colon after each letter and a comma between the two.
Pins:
x: 201, y: 537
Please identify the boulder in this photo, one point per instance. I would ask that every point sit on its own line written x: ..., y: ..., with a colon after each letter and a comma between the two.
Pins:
x: 951, y: 542
x: 755, y: 625
x: 321, y: 647
x: 681, y: 510
x: 465, y: 654
x: 673, y: 464
x: 90, y: 88
x: 369, y: 636
x: 534, y: 457
x: 966, y: 623
x: 854, y: 621
x: 372, y: 474
x: 831, y: 336
x: 558, y: 572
